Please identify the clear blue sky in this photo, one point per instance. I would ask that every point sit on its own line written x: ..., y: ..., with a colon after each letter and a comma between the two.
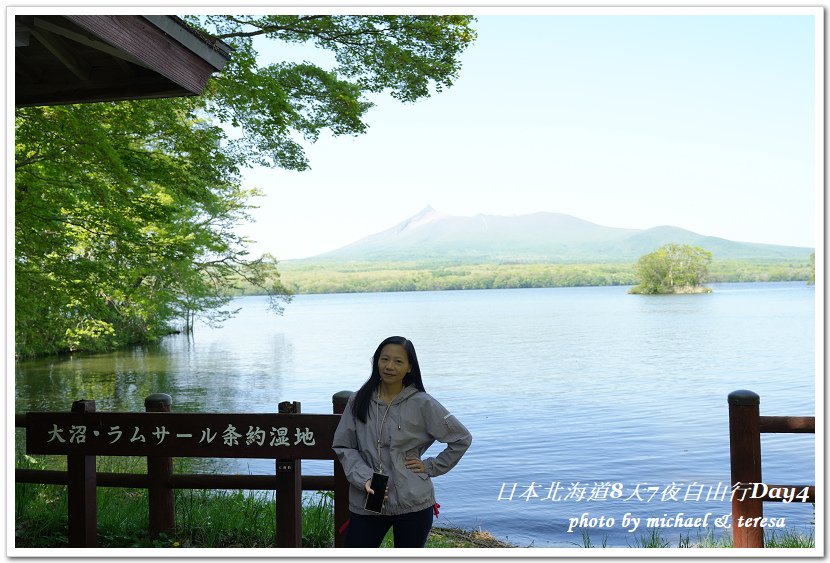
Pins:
x: 705, y: 122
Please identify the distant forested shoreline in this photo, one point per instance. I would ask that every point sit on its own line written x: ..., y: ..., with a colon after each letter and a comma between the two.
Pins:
x: 361, y: 277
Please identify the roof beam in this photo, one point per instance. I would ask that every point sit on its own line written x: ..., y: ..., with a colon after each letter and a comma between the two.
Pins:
x: 63, y: 53
x: 85, y: 40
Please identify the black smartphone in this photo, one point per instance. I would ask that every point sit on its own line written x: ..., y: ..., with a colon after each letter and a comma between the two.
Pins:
x: 378, y: 484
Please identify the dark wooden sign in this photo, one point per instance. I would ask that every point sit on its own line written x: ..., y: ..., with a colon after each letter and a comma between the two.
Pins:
x: 276, y: 436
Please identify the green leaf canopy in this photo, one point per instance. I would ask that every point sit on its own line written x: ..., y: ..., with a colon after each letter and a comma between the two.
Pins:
x: 125, y: 213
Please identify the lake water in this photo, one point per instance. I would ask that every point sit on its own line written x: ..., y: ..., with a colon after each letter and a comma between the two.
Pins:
x: 569, y: 391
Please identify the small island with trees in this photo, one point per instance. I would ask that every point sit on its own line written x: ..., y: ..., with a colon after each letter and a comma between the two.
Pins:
x: 672, y: 269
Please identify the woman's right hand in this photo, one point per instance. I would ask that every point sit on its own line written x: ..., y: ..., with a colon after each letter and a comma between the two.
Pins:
x: 368, y: 487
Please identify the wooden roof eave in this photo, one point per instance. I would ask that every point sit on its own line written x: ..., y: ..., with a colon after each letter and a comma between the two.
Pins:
x: 148, y: 57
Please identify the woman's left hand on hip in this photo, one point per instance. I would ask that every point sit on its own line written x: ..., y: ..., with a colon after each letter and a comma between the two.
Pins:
x: 414, y: 464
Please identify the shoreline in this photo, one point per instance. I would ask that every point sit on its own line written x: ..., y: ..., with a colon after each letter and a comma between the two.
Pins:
x: 362, y: 277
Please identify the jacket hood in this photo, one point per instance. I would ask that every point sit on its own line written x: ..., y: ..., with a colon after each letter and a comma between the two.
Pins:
x: 405, y: 393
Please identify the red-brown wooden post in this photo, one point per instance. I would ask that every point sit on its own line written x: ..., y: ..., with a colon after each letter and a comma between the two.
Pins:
x: 745, y: 459
x: 341, y: 485
x: 160, y: 474
x: 289, y: 491
x: 81, y: 491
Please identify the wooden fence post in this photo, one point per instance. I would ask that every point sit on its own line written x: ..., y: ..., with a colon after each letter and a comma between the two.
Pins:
x: 745, y: 459
x: 289, y: 489
x: 160, y: 474
x: 341, y: 485
x: 81, y: 491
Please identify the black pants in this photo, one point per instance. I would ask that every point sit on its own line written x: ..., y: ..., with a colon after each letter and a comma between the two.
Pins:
x: 409, y: 530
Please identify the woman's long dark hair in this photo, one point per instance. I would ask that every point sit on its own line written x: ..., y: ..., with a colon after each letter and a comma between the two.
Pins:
x: 360, y: 408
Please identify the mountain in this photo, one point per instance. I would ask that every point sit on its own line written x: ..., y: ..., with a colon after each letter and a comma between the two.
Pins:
x: 538, y: 237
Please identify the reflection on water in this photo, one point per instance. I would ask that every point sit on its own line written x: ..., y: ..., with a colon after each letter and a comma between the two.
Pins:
x: 117, y: 381
x: 200, y: 378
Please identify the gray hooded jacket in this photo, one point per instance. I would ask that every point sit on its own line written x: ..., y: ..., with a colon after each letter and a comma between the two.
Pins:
x: 414, y: 422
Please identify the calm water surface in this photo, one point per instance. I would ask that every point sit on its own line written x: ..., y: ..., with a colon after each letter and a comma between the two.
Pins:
x: 564, y: 390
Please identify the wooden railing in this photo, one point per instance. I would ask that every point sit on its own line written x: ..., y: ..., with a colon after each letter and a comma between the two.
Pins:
x: 749, y: 490
x: 160, y: 435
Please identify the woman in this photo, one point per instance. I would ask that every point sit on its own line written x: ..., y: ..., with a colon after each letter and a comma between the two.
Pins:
x: 385, y: 428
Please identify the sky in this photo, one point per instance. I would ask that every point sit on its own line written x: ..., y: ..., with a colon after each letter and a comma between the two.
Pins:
x: 705, y: 122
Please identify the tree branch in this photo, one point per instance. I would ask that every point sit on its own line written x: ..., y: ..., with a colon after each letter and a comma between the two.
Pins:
x: 335, y: 38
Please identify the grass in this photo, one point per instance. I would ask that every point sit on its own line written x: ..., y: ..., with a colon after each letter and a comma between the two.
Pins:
x: 217, y: 519
x: 204, y: 518
x: 654, y: 538
x: 789, y: 538
x: 213, y: 519
x: 651, y: 539
x: 456, y: 537
x: 587, y: 542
